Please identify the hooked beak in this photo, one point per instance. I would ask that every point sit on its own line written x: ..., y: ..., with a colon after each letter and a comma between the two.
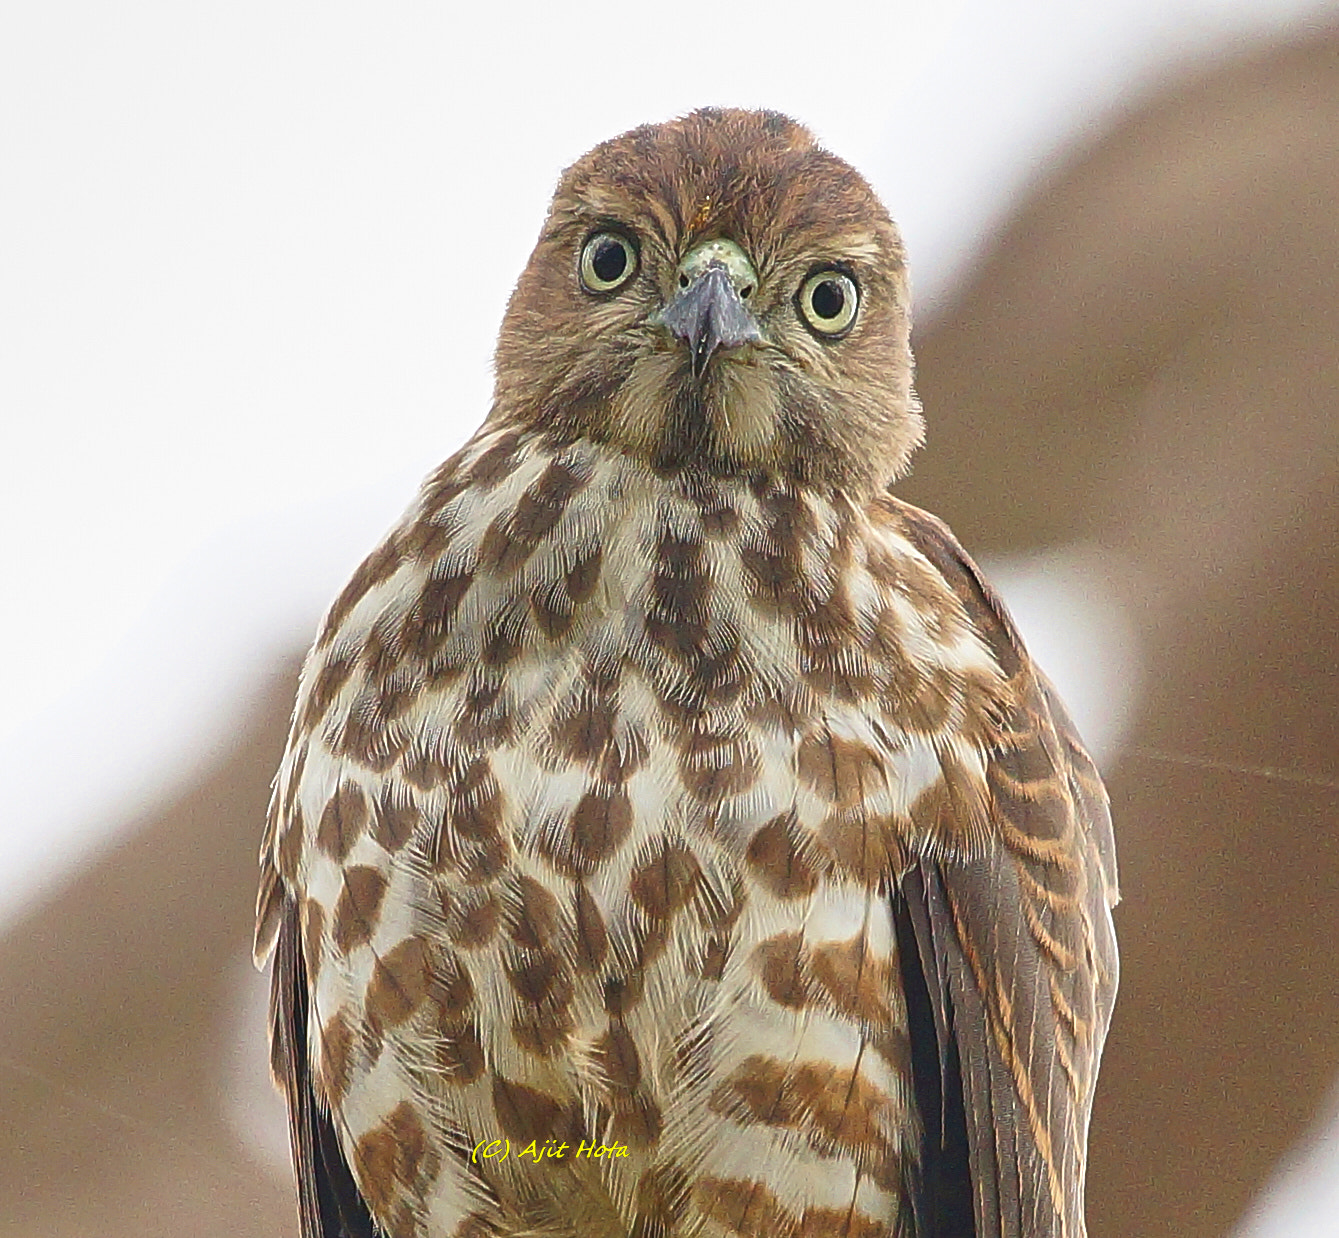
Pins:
x: 709, y: 313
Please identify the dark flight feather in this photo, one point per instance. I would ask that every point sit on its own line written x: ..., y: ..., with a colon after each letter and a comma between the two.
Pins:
x: 329, y: 1204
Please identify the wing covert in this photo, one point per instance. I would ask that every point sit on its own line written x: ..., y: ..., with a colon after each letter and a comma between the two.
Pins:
x: 1009, y: 956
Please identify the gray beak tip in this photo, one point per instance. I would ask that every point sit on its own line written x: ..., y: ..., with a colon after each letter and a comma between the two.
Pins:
x: 708, y: 315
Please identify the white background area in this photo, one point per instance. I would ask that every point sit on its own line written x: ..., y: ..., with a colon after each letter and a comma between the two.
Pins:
x: 253, y: 257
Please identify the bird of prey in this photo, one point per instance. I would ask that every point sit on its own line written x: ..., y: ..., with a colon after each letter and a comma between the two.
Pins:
x: 674, y: 836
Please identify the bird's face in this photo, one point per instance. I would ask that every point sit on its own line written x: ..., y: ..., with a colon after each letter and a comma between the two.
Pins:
x: 718, y: 293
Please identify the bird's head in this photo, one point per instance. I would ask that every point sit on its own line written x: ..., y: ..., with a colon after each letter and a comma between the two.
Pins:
x: 719, y: 293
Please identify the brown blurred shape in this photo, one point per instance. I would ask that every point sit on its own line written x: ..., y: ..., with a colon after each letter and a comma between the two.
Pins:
x: 1145, y: 361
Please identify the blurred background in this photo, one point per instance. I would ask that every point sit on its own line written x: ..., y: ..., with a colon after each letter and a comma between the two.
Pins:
x: 252, y: 260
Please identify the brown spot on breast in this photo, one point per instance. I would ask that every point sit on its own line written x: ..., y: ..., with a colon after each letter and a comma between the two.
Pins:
x: 376, y: 569
x: 584, y: 574
x: 779, y: 859
x: 394, y: 822
x: 460, y: 1053
x: 364, y: 738
x: 381, y: 655
x: 592, y: 938
x: 545, y: 1031
x: 771, y: 576
x: 325, y: 687
x: 540, y: 976
x: 542, y: 980
x: 427, y: 537
x: 853, y: 982
x: 532, y: 913
x: 844, y: 1107
x: 486, y: 718
x: 661, y: 1197
x: 715, y: 678
x: 665, y: 881
x: 780, y: 964
x: 394, y: 1158
x: 472, y: 915
x: 358, y: 908
x: 428, y: 623
x: 758, y: 1092
x: 399, y: 984
x: 847, y: 1223
x: 720, y: 517
x: 496, y: 463
x: 481, y: 862
x: 954, y: 806
x: 598, y: 826
x: 887, y: 642
x: 625, y: 756
x: 553, y: 608
x: 773, y: 564
x: 715, y: 955
x: 645, y: 942
x: 930, y: 701
x: 395, y: 694
x: 513, y: 536
x: 525, y: 1113
x: 843, y: 771
x: 788, y: 713
x: 585, y: 729
x: 425, y: 764
x: 445, y: 482
x: 834, y: 661
x: 746, y: 1208
x: 542, y: 505
x: 636, y: 1121
x: 836, y: 1107
x: 450, y: 987
x: 504, y: 635
x: 867, y: 848
x: 677, y: 616
x: 616, y: 1058
x: 714, y: 765
x: 622, y: 993
x: 475, y: 807
x: 337, y: 1044
x: 343, y: 821
x: 884, y: 566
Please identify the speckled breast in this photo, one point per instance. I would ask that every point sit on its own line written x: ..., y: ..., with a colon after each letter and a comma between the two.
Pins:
x: 607, y: 780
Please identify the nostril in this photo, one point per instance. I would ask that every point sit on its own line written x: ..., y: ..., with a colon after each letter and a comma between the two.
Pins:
x: 746, y: 290
x: 683, y: 281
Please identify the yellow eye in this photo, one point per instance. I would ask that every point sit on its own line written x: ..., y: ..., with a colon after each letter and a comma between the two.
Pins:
x: 829, y: 302
x: 608, y: 261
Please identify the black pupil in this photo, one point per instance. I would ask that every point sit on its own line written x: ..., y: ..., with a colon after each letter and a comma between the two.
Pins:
x: 609, y: 261
x: 828, y: 299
